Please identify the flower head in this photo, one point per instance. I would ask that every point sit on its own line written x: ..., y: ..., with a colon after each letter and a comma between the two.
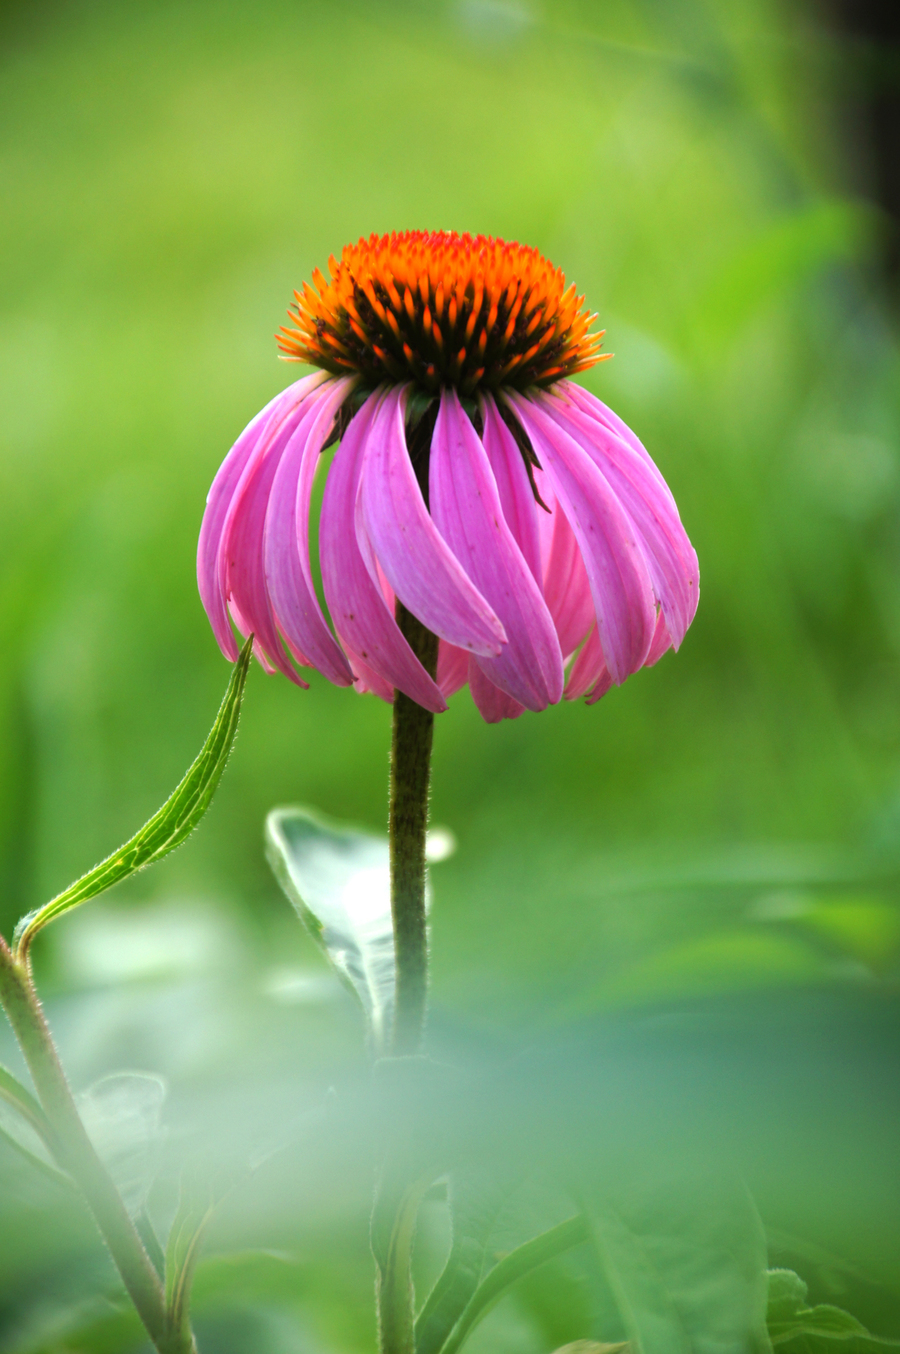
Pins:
x: 442, y: 309
x: 508, y: 509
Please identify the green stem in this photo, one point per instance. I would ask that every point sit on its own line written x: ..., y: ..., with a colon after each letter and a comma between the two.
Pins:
x: 410, y: 772
x: 393, y: 1233
x: 75, y: 1153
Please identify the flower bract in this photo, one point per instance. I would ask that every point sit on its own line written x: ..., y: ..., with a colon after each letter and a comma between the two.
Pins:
x: 506, y: 507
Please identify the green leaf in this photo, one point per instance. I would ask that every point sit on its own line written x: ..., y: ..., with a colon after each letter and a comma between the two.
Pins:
x: 686, y: 1266
x: 339, y: 882
x: 515, y: 1266
x: 122, y: 1115
x: 25, y: 1127
x: 202, y: 1191
x: 96, y: 1325
x: 592, y: 1347
x: 786, y: 1295
x: 197, y: 1203
x: 12, y: 1092
x: 790, y: 1319
x: 491, y: 1216
x: 168, y: 828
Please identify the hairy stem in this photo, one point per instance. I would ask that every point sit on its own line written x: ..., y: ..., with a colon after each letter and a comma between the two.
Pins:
x: 76, y: 1154
x: 410, y: 772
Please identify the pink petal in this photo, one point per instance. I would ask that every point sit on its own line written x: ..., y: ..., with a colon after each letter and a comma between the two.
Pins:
x: 544, y: 519
x: 615, y: 564
x: 366, y: 679
x: 361, y: 617
x: 566, y: 587
x: 493, y: 704
x: 516, y: 494
x: 669, y: 554
x: 604, y: 682
x: 608, y: 418
x: 589, y: 671
x: 241, y: 559
x: 466, y: 509
x: 210, y: 575
x: 662, y: 642
x: 287, y: 566
x: 418, y: 563
x: 452, y: 668
x: 589, y: 667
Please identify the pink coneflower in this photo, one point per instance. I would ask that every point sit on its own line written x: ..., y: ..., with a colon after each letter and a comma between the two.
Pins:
x: 503, y: 506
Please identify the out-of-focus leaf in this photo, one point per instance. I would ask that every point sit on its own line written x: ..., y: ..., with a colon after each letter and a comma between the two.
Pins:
x: 24, y: 1126
x: 715, y: 964
x: 687, y: 1267
x: 256, y: 1275
x: 867, y: 928
x: 14, y: 1094
x: 515, y: 1266
x: 810, y: 1330
x: 168, y: 827
x: 592, y: 1347
x: 200, y: 1195
x: 96, y: 1326
x: 786, y: 1294
x: 493, y: 1218
x: 195, y: 1208
x: 783, y: 256
x: 122, y: 1114
x: 339, y: 882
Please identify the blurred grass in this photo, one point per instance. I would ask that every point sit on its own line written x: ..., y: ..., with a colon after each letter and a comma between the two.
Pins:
x: 171, y: 172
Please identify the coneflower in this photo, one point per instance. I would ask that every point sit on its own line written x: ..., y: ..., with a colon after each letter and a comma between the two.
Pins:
x: 484, y: 520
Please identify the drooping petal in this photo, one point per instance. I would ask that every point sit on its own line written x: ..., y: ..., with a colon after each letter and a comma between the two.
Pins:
x: 601, y: 687
x: 466, y: 508
x: 594, y: 408
x: 588, y: 669
x: 516, y: 494
x: 452, y: 668
x: 418, y: 562
x: 567, y: 590
x: 492, y: 703
x: 590, y: 673
x: 366, y: 679
x: 670, y: 556
x: 287, y: 564
x: 241, y: 558
x: 356, y: 602
x: 662, y: 642
x: 210, y: 573
x: 615, y: 563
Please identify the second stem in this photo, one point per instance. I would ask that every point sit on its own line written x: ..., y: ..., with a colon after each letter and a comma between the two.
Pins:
x: 413, y: 729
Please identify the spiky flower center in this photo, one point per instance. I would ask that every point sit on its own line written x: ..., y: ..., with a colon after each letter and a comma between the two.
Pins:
x: 442, y: 309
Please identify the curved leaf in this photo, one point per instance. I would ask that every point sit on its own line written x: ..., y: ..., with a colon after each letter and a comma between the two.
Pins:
x: 199, y: 1197
x: 14, y: 1093
x: 339, y: 882
x: 168, y: 828
x: 515, y: 1266
x: 492, y: 1214
x: 27, y: 1129
x: 686, y: 1266
x: 196, y: 1205
x: 790, y: 1318
x: 122, y: 1115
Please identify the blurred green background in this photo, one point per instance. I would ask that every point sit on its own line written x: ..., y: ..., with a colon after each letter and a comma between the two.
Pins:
x: 728, y: 820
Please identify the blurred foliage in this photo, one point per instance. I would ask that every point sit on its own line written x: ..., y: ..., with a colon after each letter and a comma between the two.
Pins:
x: 725, y: 824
